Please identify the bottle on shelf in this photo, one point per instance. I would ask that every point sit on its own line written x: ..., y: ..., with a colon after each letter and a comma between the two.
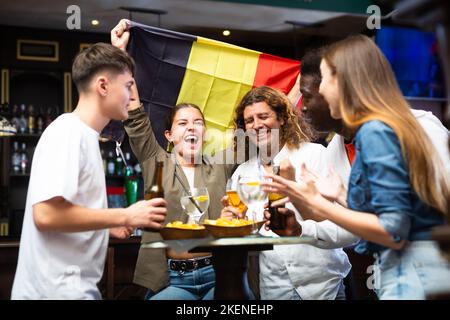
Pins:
x: 39, y: 122
x: 131, y: 181
x: 111, y: 165
x: 15, y: 120
x: 23, y: 159
x: 15, y: 158
x: 119, y: 166
x: 31, y: 123
x: 23, y: 123
x: 128, y: 160
x: 131, y: 186
x: 137, y: 169
x: 48, y: 117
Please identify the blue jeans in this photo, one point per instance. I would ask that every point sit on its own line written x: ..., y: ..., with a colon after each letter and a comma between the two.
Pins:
x: 191, y: 285
x: 411, y: 273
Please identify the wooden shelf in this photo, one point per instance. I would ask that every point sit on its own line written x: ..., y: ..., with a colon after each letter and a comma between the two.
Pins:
x: 25, y: 135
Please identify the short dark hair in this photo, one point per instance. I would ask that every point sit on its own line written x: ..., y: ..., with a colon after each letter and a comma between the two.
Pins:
x: 310, y: 64
x: 99, y: 57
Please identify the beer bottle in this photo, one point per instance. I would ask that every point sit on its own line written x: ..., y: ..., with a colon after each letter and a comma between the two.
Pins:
x: 16, y: 158
x: 156, y: 190
x: 24, y: 159
x: 15, y: 120
x: 39, y: 122
x: 277, y: 220
x: 131, y: 186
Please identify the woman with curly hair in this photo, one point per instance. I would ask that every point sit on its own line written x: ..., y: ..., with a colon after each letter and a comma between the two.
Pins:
x: 290, y: 271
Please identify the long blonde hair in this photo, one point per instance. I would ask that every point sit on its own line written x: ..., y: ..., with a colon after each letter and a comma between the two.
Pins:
x: 368, y: 91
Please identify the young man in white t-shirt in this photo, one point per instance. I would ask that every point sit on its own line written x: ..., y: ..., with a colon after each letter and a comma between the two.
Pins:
x: 65, y: 230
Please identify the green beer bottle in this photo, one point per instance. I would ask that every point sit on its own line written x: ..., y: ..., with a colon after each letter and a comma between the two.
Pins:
x: 131, y: 186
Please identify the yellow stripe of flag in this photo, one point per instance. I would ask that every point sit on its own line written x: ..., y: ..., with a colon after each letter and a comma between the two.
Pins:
x: 217, y: 76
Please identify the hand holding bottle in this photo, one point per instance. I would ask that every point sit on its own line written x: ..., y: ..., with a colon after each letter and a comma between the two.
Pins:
x: 291, y: 226
x: 147, y: 214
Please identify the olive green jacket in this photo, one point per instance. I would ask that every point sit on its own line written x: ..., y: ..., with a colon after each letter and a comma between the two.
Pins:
x: 151, y: 267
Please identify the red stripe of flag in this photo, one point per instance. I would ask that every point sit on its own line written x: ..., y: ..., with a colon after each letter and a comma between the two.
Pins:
x: 276, y: 72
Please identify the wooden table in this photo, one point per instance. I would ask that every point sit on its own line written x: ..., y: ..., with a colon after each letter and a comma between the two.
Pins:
x: 230, y: 259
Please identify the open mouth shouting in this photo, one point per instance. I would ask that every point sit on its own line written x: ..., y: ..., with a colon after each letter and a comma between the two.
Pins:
x: 191, y: 141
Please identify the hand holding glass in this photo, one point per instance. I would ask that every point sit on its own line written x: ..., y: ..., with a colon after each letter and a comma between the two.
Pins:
x: 233, y: 197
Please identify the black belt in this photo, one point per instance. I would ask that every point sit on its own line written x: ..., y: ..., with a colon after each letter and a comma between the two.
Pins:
x: 190, y: 264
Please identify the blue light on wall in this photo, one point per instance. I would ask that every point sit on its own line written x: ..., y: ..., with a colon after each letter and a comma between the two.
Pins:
x: 413, y: 55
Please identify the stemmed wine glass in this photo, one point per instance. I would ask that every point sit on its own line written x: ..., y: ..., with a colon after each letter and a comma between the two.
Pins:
x: 195, y: 203
x: 251, y: 193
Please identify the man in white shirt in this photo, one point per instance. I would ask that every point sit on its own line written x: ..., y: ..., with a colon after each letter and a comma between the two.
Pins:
x: 291, y: 271
x: 65, y: 229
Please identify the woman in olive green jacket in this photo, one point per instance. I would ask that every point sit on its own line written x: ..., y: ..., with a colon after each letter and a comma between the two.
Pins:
x: 161, y: 271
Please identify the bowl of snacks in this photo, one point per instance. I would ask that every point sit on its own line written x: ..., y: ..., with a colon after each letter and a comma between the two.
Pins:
x: 177, y: 230
x: 223, y: 228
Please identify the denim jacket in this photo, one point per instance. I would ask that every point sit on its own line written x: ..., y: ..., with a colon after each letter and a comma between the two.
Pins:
x: 379, y: 184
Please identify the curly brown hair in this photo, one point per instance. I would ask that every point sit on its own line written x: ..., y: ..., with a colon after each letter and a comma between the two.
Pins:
x: 291, y: 132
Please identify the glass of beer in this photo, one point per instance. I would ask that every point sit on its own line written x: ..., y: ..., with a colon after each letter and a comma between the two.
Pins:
x: 233, y: 197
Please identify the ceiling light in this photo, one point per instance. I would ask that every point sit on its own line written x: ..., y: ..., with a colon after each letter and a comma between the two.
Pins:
x: 95, y: 22
x: 226, y: 33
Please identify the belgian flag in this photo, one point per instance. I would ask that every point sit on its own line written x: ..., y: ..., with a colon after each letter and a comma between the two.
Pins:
x: 173, y: 67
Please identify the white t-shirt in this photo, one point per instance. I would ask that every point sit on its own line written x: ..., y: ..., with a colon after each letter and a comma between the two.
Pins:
x: 62, y: 265
x: 337, y: 157
x: 189, y: 172
x: 313, y: 272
